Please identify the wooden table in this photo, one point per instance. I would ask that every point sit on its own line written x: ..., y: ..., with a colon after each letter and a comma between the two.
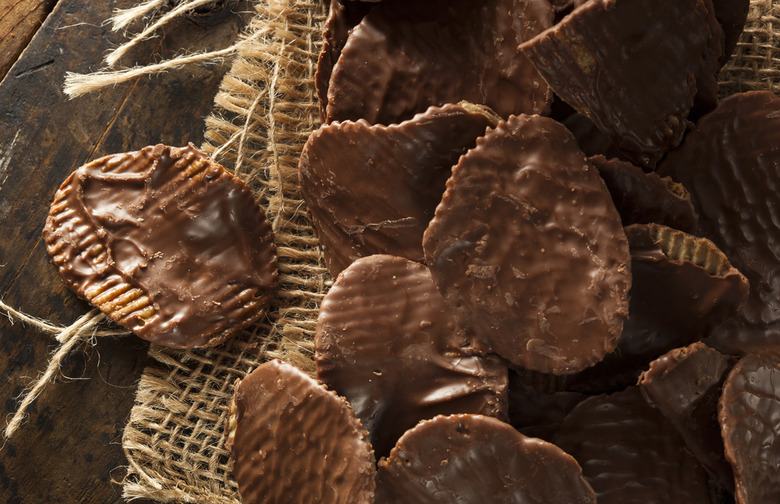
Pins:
x: 69, y: 449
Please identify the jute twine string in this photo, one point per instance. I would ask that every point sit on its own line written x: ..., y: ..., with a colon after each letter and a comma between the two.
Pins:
x: 122, y: 18
x: 84, y: 329
x: 77, y: 84
x: 120, y: 51
x: 68, y: 338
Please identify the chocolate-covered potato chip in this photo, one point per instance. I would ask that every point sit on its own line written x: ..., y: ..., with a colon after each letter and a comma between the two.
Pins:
x: 407, y: 55
x: 730, y: 164
x: 748, y: 412
x: 528, y: 250
x: 293, y: 441
x: 471, y: 459
x: 633, y: 67
x: 167, y: 243
x: 373, y: 189
x: 388, y: 343
x: 629, y: 452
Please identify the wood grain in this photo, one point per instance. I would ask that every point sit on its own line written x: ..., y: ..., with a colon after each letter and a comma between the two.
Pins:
x: 69, y: 450
x: 19, y: 20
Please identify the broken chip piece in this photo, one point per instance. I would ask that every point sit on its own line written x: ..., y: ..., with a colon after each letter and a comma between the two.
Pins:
x: 645, y: 197
x: 685, y: 385
x: 633, y: 67
x: 293, y: 441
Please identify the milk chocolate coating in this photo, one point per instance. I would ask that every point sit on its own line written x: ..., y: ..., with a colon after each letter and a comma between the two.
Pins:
x: 296, y: 442
x: 748, y: 412
x: 731, y: 166
x: 373, y: 189
x: 685, y: 384
x: 406, y: 55
x: 387, y: 342
x: 471, y: 459
x: 167, y: 243
x: 683, y: 288
x: 632, y: 66
x: 527, y: 248
x: 343, y: 15
x: 629, y: 452
x: 644, y: 197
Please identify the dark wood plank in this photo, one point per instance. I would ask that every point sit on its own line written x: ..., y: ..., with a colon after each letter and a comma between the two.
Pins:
x: 19, y: 20
x: 69, y: 450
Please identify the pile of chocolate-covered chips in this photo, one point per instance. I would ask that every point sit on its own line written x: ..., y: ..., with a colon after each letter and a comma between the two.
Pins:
x: 557, y: 259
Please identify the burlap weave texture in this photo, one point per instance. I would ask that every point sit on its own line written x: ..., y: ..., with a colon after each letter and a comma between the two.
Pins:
x: 263, y: 114
x: 755, y: 64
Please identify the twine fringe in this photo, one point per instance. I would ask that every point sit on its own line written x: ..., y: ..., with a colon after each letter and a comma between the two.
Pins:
x: 68, y: 337
x: 78, y: 84
x: 124, y: 17
x: 181, y: 9
x: 47, y: 327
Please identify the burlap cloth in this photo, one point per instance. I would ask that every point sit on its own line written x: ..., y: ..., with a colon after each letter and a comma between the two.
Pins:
x: 262, y: 116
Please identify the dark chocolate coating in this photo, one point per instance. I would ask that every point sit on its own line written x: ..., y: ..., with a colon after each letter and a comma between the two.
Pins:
x: 632, y: 66
x: 683, y: 288
x: 167, y: 243
x: 630, y: 453
x: 527, y: 248
x: 407, y: 55
x: 531, y: 407
x: 387, y: 342
x: 685, y: 384
x: 343, y: 15
x: 731, y: 166
x: 472, y: 459
x: 564, y: 7
x: 373, y: 189
x: 732, y: 15
x: 590, y: 139
x: 707, y: 79
x: 645, y: 197
x: 748, y: 412
x: 293, y: 441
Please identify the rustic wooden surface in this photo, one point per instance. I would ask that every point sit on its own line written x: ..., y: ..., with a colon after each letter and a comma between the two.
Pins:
x: 19, y: 20
x: 69, y: 449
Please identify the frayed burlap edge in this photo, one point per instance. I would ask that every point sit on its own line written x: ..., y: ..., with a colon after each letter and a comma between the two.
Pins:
x: 264, y: 112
